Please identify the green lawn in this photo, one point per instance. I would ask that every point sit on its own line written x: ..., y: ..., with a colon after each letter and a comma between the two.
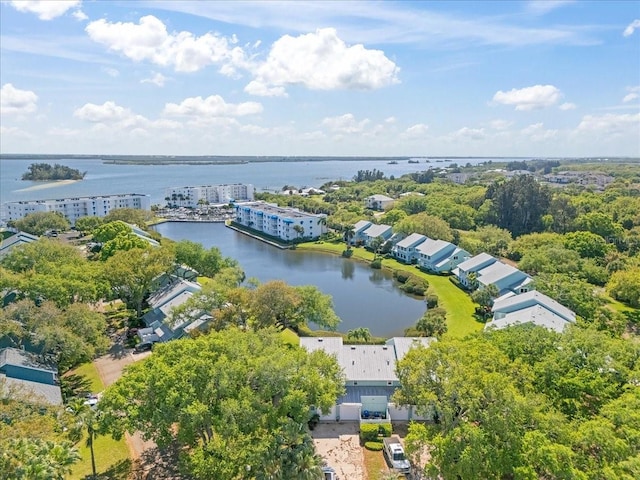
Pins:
x: 109, y: 453
x: 89, y: 372
x: 458, y: 304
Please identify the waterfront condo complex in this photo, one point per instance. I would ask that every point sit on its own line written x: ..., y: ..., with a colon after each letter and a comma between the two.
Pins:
x: 287, y: 224
x: 74, y: 208
x: 193, y: 197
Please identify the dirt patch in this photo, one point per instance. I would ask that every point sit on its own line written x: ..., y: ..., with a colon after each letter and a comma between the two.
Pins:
x: 339, y: 445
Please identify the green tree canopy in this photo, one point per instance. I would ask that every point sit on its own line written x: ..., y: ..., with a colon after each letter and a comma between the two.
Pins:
x: 133, y: 216
x: 131, y: 273
x: 519, y: 204
x: 51, y: 270
x: 238, y: 400
x: 74, y: 335
x: 425, y: 224
x: 624, y: 285
x: 587, y: 244
x: 38, y: 223
x: 88, y: 224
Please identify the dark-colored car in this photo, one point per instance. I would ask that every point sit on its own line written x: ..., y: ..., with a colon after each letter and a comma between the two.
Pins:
x: 143, y: 347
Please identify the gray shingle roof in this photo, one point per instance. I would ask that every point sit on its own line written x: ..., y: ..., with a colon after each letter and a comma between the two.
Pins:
x: 536, y: 314
x: 376, y: 230
x: 534, y: 297
x: 411, y: 240
x: 474, y: 262
x: 36, y: 392
x: 433, y: 247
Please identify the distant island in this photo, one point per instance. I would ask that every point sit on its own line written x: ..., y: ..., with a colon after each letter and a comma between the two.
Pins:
x: 45, y: 172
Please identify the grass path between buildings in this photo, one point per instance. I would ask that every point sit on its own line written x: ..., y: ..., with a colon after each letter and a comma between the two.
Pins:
x: 458, y: 304
x: 112, y: 456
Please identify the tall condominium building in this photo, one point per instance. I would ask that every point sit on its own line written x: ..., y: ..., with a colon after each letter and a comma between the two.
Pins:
x: 285, y: 223
x: 74, y: 208
x: 208, y: 194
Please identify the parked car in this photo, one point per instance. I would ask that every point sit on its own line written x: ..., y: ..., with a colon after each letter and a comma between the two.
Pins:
x: 143, y: 347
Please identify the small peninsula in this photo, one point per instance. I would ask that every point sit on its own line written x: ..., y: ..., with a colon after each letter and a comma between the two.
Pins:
x: 45, y: 172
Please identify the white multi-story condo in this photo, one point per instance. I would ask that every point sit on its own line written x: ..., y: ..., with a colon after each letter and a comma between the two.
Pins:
x: 74, y: 208
x: 208, y: 194
x: 285, y: 223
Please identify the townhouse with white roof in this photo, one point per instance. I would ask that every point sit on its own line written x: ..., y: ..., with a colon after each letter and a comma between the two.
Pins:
x: 488, y: 270
x: 531, y: 307
x: 439, y: 256
x: 370, y: 377
x: 406, y: 250
x: 378, y: 202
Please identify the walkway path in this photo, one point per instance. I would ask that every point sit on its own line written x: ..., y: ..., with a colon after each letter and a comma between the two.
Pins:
x: 110, y: 367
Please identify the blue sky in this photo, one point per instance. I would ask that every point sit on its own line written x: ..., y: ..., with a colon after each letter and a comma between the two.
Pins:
x: 541, y: 78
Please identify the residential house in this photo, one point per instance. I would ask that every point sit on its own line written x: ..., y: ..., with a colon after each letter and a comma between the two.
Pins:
x: 378, y: 202
x: 439, y: 255
x: 287, y: 224
x: 531, y: 307
x: 506, y: 278
x: 471, y: 266
x: 162, y: 303
x: 15, y: 240
x: 29, y: 374
x: 375, y: 232
x: 358, y: 237
x: 370, y: 377
x: 406, y: 249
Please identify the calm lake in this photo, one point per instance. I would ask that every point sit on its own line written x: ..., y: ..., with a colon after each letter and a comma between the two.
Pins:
x: 362, y: 297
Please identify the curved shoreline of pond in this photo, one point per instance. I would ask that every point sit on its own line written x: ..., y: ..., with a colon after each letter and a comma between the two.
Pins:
x: 457, y: 303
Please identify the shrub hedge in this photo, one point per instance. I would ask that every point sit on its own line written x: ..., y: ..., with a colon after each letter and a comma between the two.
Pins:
x: 368, y: 432
x: 374, y: 446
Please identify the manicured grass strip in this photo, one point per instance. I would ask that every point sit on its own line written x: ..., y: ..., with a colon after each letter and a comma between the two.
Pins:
x: 90, y: 372
x: 336, y: 248
x: 375, y: 465
x: 108, y: 453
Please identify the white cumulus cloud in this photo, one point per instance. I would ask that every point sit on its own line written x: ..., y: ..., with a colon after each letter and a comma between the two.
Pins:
x: 45, y: 9
x: 107, y: 112
x: 80, y: 15
x: 538, y: 133
x: 500, y: 124
x: 529, y: 98
x: 212, y: 106
x: 322, y: 61
x: 419, y: 130
x: 631, y: 28
x: 157, y: 79
x: 148, y: 40
x: 13, y: 100
x: 467, y: 133
x: 568, y: 106
x: 261, y: 90
x: 610, y: 123
x: 346, y: 123
x: 630, y: 97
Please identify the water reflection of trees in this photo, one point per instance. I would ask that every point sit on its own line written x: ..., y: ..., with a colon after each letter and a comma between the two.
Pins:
x: 376, y: 276
x: 348, y: 268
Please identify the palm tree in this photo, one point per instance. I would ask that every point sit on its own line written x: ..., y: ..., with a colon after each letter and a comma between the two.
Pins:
x: 299, y: 229
x: 87, y: 420
x: 349, y: 233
